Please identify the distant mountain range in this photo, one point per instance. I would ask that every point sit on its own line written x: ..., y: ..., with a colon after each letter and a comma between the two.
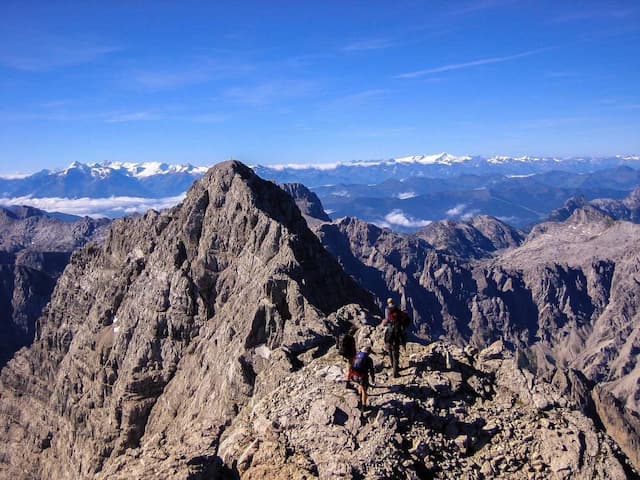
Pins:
x: 443, y: 165
x: 402, y: 193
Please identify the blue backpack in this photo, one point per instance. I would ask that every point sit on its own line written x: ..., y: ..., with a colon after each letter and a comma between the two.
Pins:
x: 360, y: 362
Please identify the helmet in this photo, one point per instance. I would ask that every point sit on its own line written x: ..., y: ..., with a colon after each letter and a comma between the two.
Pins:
x: 389, y: 301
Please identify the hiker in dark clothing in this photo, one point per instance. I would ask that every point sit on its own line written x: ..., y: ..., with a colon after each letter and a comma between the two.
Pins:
x: 394, y: 325
x: 360, y: 371
x: 347, y: 348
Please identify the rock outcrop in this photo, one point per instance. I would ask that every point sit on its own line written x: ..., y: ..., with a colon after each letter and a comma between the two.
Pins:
x: 155, y: 340
x: 34, y: 249
x: 308, y: 202
x: 452, y: 414
x: 568, y: 296
x: 480, y: 237
x: 626, y: 209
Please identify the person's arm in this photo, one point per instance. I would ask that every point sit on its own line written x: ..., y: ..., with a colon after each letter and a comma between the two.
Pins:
x: 372, y: 371
x: 386, y: 319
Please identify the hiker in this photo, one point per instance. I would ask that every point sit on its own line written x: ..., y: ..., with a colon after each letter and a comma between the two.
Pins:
x: 360, y: 371
x: 347, y: 349
x: 394, y: 323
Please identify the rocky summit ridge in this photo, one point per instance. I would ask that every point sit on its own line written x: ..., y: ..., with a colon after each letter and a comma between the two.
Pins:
x: 155, y: 339
x: 197, y: 343
x: 453, y: 413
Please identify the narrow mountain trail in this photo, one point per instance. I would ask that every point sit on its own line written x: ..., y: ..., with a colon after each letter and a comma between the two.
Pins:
x: 451, y: 414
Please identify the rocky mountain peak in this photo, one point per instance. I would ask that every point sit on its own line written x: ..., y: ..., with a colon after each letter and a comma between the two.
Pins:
x: 154, y: 341
x: 479, y: 237
x: 307, y: 201
x: 632, y: 202
x: 588, y: 214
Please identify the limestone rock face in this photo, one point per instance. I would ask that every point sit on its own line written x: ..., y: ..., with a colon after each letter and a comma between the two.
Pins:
x: 567, y: 296
x: 625, y: 209
x: 452, y: 414
x: 153, y: 341
x: 479, y: 237
x: 307, y: 201
x: 34, y: 249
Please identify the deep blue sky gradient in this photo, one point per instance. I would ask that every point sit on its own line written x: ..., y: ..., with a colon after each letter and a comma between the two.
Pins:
x: 279, y: 82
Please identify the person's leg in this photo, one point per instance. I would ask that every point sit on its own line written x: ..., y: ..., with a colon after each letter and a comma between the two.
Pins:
x: 395, y: 360
x: 363, y: 395
x: 388, y: 349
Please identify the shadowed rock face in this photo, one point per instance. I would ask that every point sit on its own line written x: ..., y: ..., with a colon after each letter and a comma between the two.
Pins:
x: 480, y: 237
x: 626, y: 209
x: 307, y: 201
x: 155, y: 340
x: 568, y: 296
x: 34, y: 249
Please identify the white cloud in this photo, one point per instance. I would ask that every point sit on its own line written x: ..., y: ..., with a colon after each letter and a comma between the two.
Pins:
x: 40, y: 52
x: 398, y: 217
x: 474, y: 63
x: 457, y: 210
x: 357, y: 99
x: 197, y: 71
x: 132, y: 117
x: 269, y: 92
x: 406, y: 195
x: 95, y: 206
x: 14, y: 176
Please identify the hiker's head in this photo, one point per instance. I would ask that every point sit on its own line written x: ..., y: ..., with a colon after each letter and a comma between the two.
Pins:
x: 390, y: 301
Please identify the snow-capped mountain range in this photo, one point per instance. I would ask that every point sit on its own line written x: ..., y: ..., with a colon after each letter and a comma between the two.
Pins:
x: 442, y: 165
x: 119, y: 188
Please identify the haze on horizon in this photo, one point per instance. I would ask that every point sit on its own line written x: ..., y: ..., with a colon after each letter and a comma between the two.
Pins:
x: 288, y: 82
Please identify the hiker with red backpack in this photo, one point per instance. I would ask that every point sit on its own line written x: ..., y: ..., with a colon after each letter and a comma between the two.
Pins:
x: 360, y: 371
x: 395, y: 323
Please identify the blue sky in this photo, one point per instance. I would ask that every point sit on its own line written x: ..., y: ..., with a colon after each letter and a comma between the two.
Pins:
x: 275, y: 81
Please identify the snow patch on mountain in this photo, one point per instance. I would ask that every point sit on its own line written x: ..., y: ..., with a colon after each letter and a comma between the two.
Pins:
x: 440, y: 158
x: 137, y: 170
x: 303, y: 166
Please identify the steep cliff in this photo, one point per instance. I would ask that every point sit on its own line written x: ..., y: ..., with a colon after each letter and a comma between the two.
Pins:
x: 567, y: 297
x: 155, y: 340
x: 34, y: 249
x: 307, y: 201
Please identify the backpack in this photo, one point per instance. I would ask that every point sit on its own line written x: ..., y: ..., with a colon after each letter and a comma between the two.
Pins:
x: 360, y: 362
x: 403, y: 318
x: 346, y: 345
